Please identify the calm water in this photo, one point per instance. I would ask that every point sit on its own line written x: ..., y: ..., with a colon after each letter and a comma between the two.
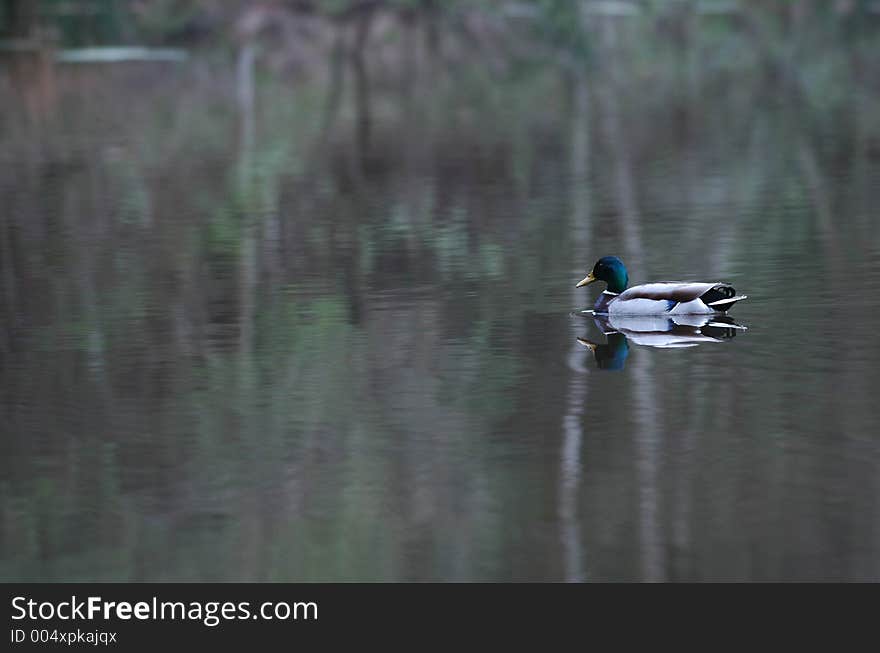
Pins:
x: 247, y: 337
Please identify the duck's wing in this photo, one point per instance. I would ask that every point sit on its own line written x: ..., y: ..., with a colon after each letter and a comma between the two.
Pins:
x: 677, y: 291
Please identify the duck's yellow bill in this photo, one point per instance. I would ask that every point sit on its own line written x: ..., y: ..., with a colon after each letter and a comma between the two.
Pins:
x: 586, y: 280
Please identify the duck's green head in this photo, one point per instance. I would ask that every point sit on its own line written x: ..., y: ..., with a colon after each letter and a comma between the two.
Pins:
x: 611, y: 270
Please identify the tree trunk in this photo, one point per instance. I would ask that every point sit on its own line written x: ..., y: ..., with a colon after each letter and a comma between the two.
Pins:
x: 20, y: 18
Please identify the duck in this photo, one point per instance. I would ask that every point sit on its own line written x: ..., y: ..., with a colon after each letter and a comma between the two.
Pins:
x: 658, y: 298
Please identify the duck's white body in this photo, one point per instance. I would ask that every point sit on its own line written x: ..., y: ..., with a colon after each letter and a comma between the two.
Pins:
x: 668, y: 298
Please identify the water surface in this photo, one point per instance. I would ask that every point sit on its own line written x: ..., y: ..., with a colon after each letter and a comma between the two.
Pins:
x: 241, y: 344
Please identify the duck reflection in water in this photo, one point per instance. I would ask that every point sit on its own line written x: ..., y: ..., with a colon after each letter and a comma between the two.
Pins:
x: 675, y: 332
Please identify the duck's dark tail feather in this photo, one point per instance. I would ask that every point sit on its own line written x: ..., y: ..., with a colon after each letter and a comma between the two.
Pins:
x: 721, y: 297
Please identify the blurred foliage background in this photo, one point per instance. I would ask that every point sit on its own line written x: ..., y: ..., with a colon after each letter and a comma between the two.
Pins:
x: 296, y: 307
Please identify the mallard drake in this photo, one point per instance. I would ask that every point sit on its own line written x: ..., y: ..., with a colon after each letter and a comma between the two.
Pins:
x: 662, y: 298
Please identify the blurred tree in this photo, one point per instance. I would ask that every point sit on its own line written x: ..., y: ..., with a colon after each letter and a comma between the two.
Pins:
x: 18, y: 19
